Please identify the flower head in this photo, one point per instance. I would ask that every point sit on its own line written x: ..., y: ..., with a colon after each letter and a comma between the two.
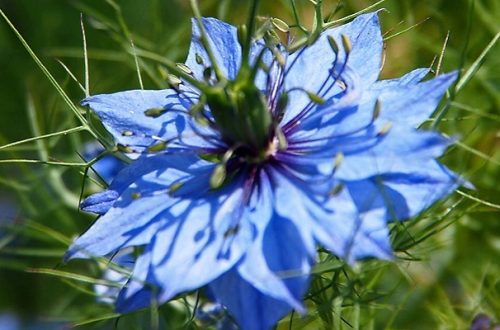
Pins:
x: 254, y: 157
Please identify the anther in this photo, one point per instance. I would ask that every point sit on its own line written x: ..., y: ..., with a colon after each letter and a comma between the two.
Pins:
x: 376, y: 110
x: 155, y: 112
x: 346, y: 42
x: 280, y: 25
x: 174, y: 187
x: 184, y: 68
x: 218, y: 176
x: 339, y: 159
x: 336, y: 190
x: 333, y: 45
x: 123, y: 148
x: 198, y: 59
x: 157, y: 147
x: 315, y: 98
x: 385, y: 129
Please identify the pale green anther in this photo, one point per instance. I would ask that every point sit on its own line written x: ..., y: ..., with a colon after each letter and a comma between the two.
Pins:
x: 173, y: 81
x: 198, y: 59
x: 376, y: 110
x: 157, y: 147
x: 280, y: 25
x: 316, y: 98
x: 124, y: 148
x: 136, y: 195
x: 227, y: 155
x: 207, y: 73
x: 127, y: 133
x: 184, y: 68
x: 200, y: 120
x: 282, y: 141
x: 218, y: 176
x: 231, y: 231
x: 333, y: 44
x: 336, y: 190
x: 279, y: 57
x: 346, y: 42
x: 339, y: 159
x: 272, y: 39
x: 155, y: 112
x: 281, y: 106
x: 174, y: 187
x: 385, y: 129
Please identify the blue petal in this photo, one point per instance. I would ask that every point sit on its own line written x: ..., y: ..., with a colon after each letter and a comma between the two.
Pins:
x: 200, y: 239
x: 138, y: 292
x: 206, y: 239
x: 276, y: 269
x: 309, y: 68
x: 412, y: 104
x: 252, y: 309
x: 396, y: 150
x: 410, y: 79
x: 123, y: 116
x: 100, y: 203
x: 404, y: 192
x: 224, y: 44
x: 143, y: 190
x: 334, y: 222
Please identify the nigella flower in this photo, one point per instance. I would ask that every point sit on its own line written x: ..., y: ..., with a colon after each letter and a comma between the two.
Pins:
x: 256, y: 156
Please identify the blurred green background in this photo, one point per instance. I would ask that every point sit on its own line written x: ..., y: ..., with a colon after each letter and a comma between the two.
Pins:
x: 454, y: 274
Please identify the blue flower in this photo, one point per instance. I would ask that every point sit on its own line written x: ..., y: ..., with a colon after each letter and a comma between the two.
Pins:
x: 254, y: 158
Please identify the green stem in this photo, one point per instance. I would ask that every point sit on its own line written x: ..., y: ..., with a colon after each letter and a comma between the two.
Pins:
x: 65, y: 132
x: 204, y: 40
x: 250, y: 32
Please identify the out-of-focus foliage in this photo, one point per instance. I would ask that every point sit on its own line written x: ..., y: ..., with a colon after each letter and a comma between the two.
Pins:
x: 447, y: 270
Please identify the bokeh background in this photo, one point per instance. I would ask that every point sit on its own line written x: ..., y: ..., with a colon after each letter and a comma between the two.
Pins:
x: 448, y: 266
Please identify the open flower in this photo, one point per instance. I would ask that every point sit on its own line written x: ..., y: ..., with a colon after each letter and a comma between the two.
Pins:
x: 254, y: 158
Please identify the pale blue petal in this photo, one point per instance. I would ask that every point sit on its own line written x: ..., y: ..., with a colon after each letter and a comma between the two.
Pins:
x: 409, y: 79
x: 252, y: 309
x: 139, y: 292
x: 205, y: 238
x: 335, y: 222
x: 224, y: 44
x: 412, y: 105
x: 309, y: 68
x: 406, y: 191
x: 276, y: 269
x: 143, y: 202
x: 123, y: 116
